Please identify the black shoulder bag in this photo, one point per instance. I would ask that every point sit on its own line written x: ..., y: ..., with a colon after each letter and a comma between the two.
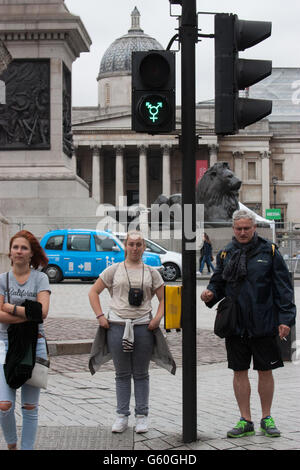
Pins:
x: 135, y: 294
x: 227, y: 316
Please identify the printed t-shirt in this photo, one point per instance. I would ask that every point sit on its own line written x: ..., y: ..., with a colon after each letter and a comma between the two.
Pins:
x: 37, y: 282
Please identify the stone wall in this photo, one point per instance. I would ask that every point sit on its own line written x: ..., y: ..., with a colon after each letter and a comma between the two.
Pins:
x: 4, y: 240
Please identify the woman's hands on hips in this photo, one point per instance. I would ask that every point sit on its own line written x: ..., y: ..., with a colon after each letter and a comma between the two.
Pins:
x: 103, y: 322
x: 154, y: 323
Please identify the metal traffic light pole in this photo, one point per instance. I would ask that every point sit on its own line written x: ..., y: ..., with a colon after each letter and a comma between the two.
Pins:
x: 188, y: 34
x: 231, y: 35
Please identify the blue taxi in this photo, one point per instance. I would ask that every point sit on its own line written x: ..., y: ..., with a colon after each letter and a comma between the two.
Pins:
x: 84, y: 254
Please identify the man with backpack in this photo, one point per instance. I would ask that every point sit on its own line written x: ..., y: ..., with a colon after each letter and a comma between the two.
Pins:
x: 251, y: 270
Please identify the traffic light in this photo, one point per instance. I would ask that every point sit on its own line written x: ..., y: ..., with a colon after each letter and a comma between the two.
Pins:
x: 153, y: 91
x: 233, y: 74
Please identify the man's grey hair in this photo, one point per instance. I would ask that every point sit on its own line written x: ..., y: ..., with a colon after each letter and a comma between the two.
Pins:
x: 243, y: 214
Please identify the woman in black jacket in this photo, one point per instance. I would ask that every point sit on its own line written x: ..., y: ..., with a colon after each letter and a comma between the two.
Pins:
x: 206, y: 254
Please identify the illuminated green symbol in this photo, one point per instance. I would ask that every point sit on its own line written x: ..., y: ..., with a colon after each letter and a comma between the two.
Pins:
x: 154, y: 110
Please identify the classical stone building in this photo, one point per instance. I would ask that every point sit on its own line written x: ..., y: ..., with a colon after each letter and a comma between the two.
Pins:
x: 116, y: 161
x: 38, y: 181
x: 45, y: 181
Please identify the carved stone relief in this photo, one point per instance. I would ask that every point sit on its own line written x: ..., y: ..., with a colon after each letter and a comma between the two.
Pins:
x: 68, y: 146
x: 25, y: 116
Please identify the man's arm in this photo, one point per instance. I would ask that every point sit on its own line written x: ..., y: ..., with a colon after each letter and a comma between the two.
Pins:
x: 283, y: 294
x: 216, y: 288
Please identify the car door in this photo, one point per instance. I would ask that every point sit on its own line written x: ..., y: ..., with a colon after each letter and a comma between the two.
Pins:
x: 108, y: 252
x: 79, y: 259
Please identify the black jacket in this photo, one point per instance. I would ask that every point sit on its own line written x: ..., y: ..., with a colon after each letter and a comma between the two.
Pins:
x: 22, y: 340
x: 266, y: 296
x: 206, y: 250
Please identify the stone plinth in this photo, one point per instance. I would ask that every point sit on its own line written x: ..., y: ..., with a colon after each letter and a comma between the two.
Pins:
x: 4, y: 241
x: 36, y: 156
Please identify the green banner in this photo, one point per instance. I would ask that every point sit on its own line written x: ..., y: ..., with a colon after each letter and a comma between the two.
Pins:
x: 273, y: 214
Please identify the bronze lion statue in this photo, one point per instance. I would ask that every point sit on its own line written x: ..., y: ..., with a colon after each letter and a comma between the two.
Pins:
x: 218, y: 191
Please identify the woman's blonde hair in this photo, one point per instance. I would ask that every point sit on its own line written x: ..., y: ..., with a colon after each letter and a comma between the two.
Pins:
x: 133, y: 234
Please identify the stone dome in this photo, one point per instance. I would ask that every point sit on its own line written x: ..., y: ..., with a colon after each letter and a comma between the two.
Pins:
x: 117, y: 58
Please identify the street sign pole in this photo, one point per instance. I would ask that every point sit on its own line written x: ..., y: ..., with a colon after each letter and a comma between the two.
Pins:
x: 188, y: 37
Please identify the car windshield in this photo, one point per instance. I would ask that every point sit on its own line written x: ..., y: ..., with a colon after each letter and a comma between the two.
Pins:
x: 55, y: 243
x: 104, y: 243
x: 150, y: 246
x: 154, y: 248
x: 78, y: 242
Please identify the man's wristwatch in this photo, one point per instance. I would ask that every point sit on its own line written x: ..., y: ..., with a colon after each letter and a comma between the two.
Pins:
x: 14, y: 312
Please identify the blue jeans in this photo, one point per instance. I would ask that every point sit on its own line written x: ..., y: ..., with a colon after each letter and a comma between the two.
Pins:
x: 207, y: 260
x: 29, y: 396
x: 131, y: 364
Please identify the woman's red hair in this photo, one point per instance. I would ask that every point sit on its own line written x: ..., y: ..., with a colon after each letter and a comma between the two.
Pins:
x: 39, y: 257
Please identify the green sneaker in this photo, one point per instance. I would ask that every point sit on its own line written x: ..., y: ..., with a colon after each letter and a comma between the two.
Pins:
x: 267, y: 426
x: 241, y: 429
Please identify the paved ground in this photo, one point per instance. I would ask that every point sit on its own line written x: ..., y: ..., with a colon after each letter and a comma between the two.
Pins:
x: 77, y: 409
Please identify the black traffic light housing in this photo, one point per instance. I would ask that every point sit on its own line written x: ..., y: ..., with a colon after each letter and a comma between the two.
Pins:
x: 233, y: 74
x: 153, y: 91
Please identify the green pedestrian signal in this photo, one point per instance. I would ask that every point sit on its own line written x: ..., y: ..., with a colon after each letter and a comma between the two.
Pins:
x: 154, y: 110
x: 153, y: 92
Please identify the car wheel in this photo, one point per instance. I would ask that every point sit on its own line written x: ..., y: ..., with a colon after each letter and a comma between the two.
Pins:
x: 170, y: 272
x: 54, y: 273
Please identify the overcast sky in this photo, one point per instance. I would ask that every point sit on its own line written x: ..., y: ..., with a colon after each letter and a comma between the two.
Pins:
x: 106, y: 21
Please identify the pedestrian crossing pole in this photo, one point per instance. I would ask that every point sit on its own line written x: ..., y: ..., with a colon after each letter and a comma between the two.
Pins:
x: 188, y: 36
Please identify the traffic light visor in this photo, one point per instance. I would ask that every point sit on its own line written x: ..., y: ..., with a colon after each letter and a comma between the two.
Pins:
x: 154, y: 70
x: 250, y: 33
x: 249, y: 111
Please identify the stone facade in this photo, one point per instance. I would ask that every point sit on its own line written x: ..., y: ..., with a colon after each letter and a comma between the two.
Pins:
x: 42, y: 182
x: 110, y: 161
x: 4, y: 241
x: 267, y: 149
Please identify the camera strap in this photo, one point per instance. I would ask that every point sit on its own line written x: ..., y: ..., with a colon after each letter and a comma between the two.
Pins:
x: 129, y: 279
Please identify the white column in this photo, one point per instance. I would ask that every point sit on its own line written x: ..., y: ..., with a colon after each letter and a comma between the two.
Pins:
x: 238, y: 164
x: 238, y: 169
x: 120, y: 183
x: 96, y: 190
x: 101, y: 177
x: 265, y: 181
x: 74, y: 159
x: 166, y: 171
x: 143, y: 181
x: 213, y: 154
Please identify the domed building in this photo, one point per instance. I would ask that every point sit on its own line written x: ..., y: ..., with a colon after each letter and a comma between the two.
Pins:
x: 111, y: 158
x: 117, y: 162
x: 47, y: 184
x: 114, y: 79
